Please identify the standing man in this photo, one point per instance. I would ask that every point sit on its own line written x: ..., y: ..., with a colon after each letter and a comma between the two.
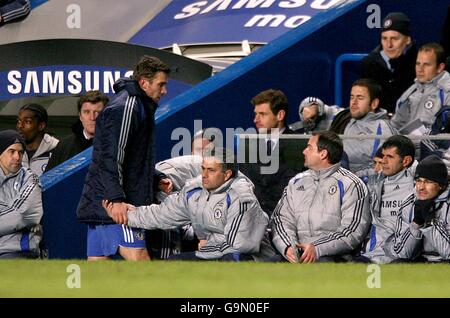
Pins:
x: 20, y: 201
x: 271, y: 109
x: 31, y: 124
x: 323, y: 214
x: 387, y: 191
x: 122, y: 168
x: 391, y: 64
x: 89, y: 105
x: 431, y: 91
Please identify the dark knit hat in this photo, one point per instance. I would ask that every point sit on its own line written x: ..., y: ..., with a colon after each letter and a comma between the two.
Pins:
x: 397, y: 21
x: 9, y: 137
x: 432, y: 168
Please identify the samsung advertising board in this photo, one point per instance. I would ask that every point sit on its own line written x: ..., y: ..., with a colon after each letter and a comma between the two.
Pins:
x: 70, y: 67
x: 227, y: 21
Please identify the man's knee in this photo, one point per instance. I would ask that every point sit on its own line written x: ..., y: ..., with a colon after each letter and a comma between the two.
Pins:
x: 134, y: 254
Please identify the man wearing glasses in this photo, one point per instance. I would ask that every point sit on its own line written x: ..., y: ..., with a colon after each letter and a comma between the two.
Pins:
x: 427, y: 237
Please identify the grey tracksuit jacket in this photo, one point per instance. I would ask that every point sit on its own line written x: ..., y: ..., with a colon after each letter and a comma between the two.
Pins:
x: 422, y: 101
x: 432, y: 242
x: 20, y: 212
x: 328, y: 208
x: 385, y: 198
x: 179, y: 170
x: 229, y: 218
x: 39, y: 161
x: 361, y: 152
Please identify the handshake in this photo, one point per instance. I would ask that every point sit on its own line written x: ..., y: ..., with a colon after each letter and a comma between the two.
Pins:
x: 118, y: 211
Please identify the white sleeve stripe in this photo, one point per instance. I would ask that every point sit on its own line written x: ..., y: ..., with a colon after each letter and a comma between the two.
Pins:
x: 276, y: 219
x: 123, y: 138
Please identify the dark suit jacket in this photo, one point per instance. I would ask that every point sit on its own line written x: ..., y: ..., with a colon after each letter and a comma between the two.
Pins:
x: 69, y: 147
x: 269, y: 187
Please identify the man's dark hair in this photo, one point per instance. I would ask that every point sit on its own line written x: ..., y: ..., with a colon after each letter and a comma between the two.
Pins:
x: 404, y: 145
x: 275, y: 98
x: 148, y: 66
x: 438, y: 51
x: 372, y: 86
x: 330, y: 142
x: 39, y: 111
x: 227, y: 158
x: 92, y: 97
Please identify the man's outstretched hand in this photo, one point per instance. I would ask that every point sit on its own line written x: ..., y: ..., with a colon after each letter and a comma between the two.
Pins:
x: 118, y: 211
x: 165, y: 185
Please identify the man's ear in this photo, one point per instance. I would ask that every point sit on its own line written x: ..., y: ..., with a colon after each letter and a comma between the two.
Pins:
x: 407, y: 161
x: 281, y: 115
x: 374, y: 104
x: 228, y: 174
x: 440, y: 68
x: 41, y: 126
x: 323, y: 154
x: 142, y: 83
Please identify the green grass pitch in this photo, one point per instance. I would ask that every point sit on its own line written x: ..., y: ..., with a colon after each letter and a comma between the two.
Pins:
x: 212, y: 279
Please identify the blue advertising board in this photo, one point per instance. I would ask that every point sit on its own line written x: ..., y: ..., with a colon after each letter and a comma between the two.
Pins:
x: 223, y: 21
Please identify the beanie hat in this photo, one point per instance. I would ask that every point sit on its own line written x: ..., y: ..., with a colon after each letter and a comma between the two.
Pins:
x: 397, y: 21
x: 432, y: 168
x: 309, y: 101
x: 9, y: 137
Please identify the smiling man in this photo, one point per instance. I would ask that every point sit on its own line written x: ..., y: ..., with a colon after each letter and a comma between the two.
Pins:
x: 391, y: 64
x: 122, y: 168
x: 427, y: 237
x: 20, y: 201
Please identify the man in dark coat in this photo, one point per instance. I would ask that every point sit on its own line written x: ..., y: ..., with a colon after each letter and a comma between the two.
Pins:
x: 392, y: 64
x: 122, y: 168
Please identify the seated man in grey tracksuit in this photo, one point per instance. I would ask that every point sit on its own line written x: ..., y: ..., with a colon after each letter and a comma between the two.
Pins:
x: 223, y: 210
x: 423, y: 230
x: 386, y: 192
x: 20, y: 201
x: 323, y: 214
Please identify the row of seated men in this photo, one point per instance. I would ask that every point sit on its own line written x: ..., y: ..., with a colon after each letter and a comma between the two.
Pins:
x: 326, y: 213
x: 422, y: 109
